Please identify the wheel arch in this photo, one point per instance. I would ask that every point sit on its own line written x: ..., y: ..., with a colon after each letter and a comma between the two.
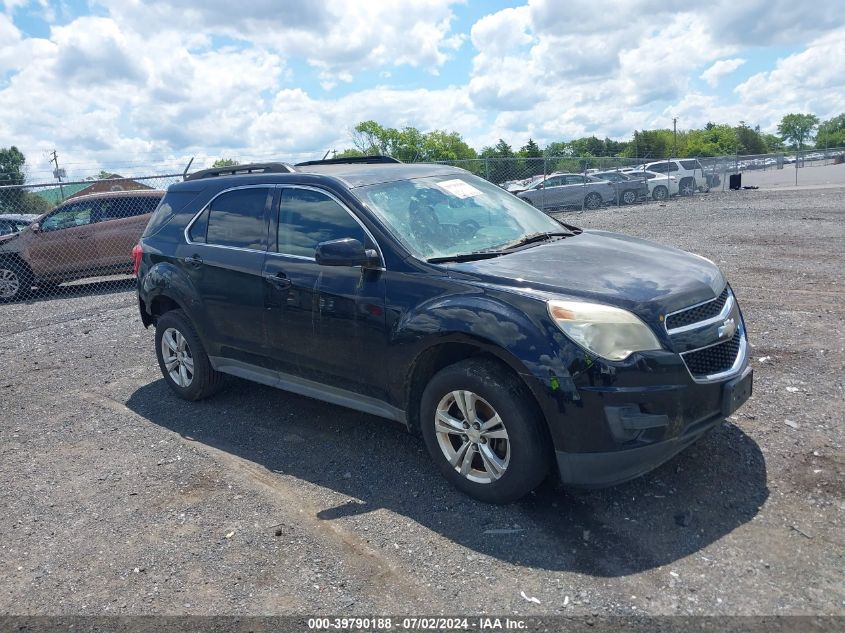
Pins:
x: 445, y: 351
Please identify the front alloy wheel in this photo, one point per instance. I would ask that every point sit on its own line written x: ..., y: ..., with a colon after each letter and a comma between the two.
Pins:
x: 484, y: 432
x: 472, y: 436
x: 10, y: 283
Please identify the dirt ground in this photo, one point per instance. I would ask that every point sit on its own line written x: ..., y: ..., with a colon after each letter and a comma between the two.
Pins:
x: 118, y: 498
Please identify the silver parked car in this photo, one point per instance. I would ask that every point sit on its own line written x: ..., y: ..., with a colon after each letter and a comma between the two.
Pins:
x: 568, y: 190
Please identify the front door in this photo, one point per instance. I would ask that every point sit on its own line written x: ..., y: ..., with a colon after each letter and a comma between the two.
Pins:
x: 323, y: 323
x: 64, y: 244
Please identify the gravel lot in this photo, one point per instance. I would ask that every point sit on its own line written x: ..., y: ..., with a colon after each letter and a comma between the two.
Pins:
x: 120, y: 499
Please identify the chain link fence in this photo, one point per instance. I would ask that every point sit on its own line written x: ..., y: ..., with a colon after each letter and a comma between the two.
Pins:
x: 73, y: 238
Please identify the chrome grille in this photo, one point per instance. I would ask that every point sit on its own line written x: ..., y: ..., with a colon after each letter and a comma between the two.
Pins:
x: 714, y: 359
x: 697, y: 313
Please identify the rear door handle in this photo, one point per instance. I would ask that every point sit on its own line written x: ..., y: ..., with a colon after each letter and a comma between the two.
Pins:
x: 193, y: 260
x: 280, y: 280
x: 82, y: 237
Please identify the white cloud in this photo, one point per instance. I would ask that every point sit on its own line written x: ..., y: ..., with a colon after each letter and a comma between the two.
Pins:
x: 154, y: 81
x: 719, y: 69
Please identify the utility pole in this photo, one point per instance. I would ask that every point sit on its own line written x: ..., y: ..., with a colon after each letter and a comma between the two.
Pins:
x: 57, y: 173
x: 674, y: 137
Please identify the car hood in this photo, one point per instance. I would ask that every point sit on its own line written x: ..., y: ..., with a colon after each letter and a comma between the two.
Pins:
x: 604, y: 267
x: 10, y: 237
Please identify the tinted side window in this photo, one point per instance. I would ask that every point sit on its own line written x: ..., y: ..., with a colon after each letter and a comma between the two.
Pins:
x: 690, y: 164
x: 237, y: 218
x: 199, y: 228
x: 119, y: 208
x: 70, y: 216
x: 660, y: 168
x: 310, y: 217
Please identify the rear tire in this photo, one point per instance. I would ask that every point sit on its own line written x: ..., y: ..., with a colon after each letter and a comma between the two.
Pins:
x: 660, y: 193
x: 182, y: 358
x: 500, y: 450
x: 15, y: 280
x: 629, y: 196
x: 687, y: 187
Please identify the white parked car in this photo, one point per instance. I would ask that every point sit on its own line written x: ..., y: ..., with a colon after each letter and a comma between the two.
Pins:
x: 688, y: 171
x: 660, y: 186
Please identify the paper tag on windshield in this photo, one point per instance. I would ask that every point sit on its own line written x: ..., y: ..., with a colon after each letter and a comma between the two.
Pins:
x: 459, y: 188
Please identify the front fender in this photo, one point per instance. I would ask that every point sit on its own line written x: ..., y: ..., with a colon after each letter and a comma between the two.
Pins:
x: 517, y: 331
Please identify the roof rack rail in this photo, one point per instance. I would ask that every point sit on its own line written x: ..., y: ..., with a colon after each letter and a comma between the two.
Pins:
x: 351, y: 160
x: 236, y: 170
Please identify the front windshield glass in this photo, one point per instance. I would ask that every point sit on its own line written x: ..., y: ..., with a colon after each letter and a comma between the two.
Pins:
x: 444, y: 216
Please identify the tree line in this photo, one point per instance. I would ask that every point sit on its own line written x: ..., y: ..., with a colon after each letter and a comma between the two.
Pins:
x: 796, y: 131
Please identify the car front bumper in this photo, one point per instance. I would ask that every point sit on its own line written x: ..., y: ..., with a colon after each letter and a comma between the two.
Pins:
x: 608, y: 468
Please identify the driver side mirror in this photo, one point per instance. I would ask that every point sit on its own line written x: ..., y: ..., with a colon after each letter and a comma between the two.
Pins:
x: 36, y: 227
x: 346, y: 252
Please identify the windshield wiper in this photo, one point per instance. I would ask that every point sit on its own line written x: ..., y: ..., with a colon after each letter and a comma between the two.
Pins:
x: 533, y: 238
x: 465, y: 257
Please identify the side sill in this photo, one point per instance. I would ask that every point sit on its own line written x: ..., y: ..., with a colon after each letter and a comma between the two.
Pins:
x: 308, y: 388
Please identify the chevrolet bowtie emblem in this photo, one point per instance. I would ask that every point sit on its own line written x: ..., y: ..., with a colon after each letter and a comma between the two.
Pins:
x: 727, y: 329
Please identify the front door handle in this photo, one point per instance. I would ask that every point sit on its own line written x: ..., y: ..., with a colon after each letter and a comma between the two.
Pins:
x: 193, y: 260
x: 280, y: 280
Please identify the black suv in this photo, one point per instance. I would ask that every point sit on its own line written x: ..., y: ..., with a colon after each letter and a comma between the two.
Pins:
x: 512, y: 342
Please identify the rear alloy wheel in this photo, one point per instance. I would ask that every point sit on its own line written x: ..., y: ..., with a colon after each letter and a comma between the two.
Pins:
x: 687, y: 187
x: 629, y: 197
x: 15, y: 281
x: 592, y: 201
x: 182, y: 358
x: 660, y: 193
x: 483, y: 433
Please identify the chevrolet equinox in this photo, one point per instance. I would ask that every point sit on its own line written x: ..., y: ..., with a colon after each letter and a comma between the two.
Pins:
x: 512, y: 342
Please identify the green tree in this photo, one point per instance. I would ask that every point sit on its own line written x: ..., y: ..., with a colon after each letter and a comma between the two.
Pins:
x: 225, y: 162
x: 500, y: 165
x: 530, y: 150
x: 12, y: 172
x: 716, y: 140
x: 831, y: 133
x: 797, y: 128
x: 749, y: 140
x: 773, y: 143
x: 652, y: 144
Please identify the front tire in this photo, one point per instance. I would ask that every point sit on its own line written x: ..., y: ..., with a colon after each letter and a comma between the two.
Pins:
x: 15, y: 280
x: 182, y: 358
x: 592, y: 201
x: 483, y: 432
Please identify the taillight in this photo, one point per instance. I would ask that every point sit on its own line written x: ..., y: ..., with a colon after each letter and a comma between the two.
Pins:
x: 137, y: 253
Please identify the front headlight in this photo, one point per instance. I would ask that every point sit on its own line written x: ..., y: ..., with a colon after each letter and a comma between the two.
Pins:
x: 609, y: 332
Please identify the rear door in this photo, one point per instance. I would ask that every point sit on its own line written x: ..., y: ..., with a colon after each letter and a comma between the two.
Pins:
x: 223, y: 259
x: 323, y: 323
x: 121, y: 221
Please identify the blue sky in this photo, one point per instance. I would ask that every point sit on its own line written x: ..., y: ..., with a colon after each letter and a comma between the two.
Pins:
x: 147, y: 84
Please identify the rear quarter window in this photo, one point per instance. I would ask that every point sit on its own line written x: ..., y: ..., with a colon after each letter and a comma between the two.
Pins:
x: 172, y: 203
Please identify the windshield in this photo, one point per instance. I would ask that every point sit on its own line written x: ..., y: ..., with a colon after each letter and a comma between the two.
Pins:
x: 443, y: 216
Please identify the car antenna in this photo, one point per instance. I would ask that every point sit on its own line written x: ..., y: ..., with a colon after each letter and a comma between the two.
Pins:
x: 187, y: 167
